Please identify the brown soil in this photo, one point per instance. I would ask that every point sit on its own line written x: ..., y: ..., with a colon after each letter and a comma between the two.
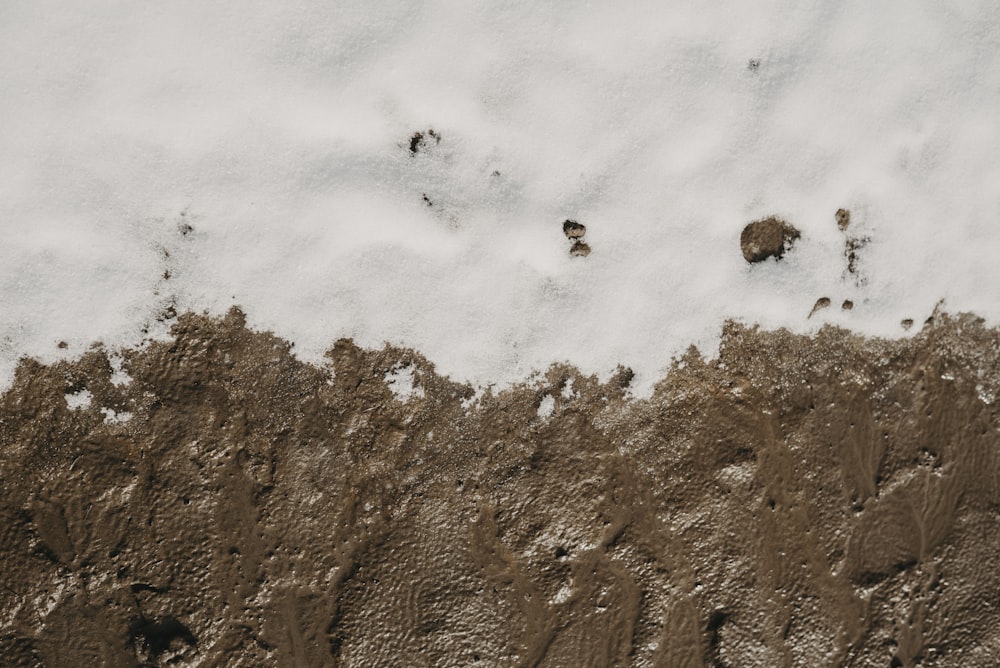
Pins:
x: 801, y: 501
x: 770, y: 237
x: 573, y: 229
x: 821, y: 303
x: 843, y: 217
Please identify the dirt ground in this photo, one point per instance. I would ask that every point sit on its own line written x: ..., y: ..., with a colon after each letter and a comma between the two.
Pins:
x: 800, y: 501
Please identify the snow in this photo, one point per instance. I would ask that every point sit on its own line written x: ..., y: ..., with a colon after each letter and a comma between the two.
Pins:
x: 115, y: 417
x: 403, y: 384
x: 547, y: 406
x: 78, y: 400
x: 276, y: 135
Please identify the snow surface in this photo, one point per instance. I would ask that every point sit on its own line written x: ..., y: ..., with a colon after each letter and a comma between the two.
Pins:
x: 200, y: 155
x: 402, y: 384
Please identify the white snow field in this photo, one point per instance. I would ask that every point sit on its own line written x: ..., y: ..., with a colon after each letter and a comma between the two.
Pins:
x: 279, y: 134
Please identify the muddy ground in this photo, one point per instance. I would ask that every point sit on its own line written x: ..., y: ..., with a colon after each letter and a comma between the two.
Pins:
x: 801, y: 501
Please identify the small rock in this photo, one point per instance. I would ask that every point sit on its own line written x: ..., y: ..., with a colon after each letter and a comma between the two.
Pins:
x: 907, y: 323
x: 62, y: 345
x: 847, y: 305
x: 821, y: 303
x: 769, y: 237
x: 623, y: 376
x: 573, y: 229
x: 580, y: 249
x: 843, y: 218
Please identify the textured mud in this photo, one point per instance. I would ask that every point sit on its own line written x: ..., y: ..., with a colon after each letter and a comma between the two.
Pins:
x: 823, y: 501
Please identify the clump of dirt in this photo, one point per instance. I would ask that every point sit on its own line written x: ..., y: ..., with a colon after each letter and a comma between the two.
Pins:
x: 573, y: 229
x: 843, y: 217
x: 847, y: 305
x: 580, y: 249
x: 575, y: 232
x: 820, y: 304
x: 825, y: 500
x: 770, y: 237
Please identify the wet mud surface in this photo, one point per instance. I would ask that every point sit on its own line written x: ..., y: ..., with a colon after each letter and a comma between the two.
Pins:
x: 800, y: 501
x: 770, y: 237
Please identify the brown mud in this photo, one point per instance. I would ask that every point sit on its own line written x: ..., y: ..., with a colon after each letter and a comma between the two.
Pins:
x: 800, y: 501
x: 770, y: 237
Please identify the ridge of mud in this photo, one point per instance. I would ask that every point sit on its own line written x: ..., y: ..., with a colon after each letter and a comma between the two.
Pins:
x: 827, y: 500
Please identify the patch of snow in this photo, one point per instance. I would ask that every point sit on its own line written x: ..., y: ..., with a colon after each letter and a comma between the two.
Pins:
x: 403, y: 384
x: 562, y: 595
x: 201, y: 157
x: 79, y: 400
x: 47, y: 601
x: 567, y: 390
x: 736, y: 475
x: 119, y: 377
x: 547, y: 406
